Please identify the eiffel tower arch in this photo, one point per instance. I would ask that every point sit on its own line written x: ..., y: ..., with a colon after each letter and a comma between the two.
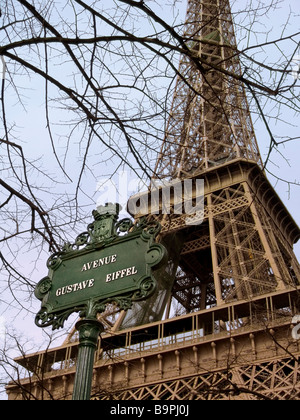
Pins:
x: 220, y: 325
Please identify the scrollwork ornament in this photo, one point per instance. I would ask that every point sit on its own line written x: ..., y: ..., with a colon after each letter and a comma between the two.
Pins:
x: 153, y: 228
x: 140, y: 224
x: 147, y: 288
x: 43, y: 319
x: 82, y: 239
x: 54, y: 261
x: 124, y: 225
x: 94, y: 307
x: 43, y: 287
x: 124, y: 303
x: 156, y: 255
x: 67, y: 247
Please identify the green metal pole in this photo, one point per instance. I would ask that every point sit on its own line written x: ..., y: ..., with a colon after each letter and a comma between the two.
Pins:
x: 89, y: 330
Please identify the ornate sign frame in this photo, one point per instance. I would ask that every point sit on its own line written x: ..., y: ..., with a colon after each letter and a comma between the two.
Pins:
x: 113, y: 261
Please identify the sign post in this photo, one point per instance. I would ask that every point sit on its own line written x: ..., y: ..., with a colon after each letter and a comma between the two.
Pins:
x: 112, y: 262
x: 89, y: 330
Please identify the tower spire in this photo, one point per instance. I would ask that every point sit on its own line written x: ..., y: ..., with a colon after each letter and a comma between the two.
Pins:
x: 209, y: 122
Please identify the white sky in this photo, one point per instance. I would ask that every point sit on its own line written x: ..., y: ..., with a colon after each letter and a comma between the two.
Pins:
x: 33, y: 132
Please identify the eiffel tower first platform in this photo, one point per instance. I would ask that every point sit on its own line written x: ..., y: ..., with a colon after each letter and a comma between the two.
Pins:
x: 220, y: 325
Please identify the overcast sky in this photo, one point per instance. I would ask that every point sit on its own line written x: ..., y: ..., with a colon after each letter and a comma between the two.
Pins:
x: 32, y: 128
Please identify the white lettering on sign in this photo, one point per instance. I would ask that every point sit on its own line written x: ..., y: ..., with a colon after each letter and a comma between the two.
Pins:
x: 86, y: 284
x: 92, y: 265
x: 75, y: 287
x: 130, y: 271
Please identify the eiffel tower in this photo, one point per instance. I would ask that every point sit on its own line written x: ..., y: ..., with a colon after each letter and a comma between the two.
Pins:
x: 220, y: 325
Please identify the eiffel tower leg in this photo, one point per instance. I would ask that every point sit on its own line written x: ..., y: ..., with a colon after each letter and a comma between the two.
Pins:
x: 264, y: 239
x: 217, y: 281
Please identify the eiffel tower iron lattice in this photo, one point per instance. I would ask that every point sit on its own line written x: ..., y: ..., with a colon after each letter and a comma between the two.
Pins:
x: 233, y: 281
x: 209, y: 120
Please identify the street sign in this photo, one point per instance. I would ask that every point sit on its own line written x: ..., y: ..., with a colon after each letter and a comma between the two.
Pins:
x: 111, y: 262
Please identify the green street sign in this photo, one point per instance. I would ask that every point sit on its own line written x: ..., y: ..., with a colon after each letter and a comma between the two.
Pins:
x: 111, y: 262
